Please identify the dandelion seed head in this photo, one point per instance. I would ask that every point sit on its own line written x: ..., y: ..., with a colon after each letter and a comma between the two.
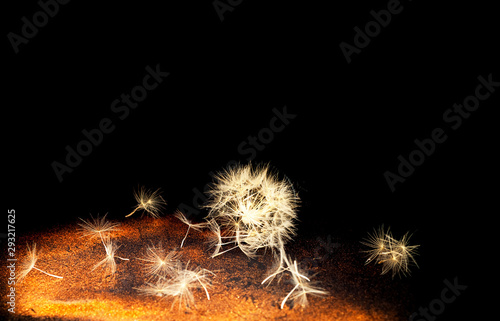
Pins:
x: 254, y: 207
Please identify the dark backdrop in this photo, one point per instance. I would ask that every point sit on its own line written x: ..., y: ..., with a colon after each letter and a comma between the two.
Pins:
x: 351, y: 120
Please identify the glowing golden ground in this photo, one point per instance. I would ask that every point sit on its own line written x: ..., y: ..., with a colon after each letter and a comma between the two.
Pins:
x: 236, y: 292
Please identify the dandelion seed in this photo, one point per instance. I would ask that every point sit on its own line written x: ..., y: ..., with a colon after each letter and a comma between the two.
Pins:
x: 302, y: 287
x: 281, y: 264
x: 159, y: 262
x: 29, y: 265
x: 98, y: 227
x: 151, y: 202
x: 183, y: 219
x: 155, y: 289
x: 379, y: 242
x: 186, y: 279
x: 216, y: 239
x: 180, y: 286
x: 109, y: 260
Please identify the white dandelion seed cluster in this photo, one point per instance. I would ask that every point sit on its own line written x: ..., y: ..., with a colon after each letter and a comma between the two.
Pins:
x: 395, y: 255
x: 251, y: 209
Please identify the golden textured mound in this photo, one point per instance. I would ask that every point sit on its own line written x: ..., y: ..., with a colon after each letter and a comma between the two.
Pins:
x: 356, y: 291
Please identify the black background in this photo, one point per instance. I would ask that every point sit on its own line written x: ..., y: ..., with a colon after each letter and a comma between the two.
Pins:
x: 352, y: 120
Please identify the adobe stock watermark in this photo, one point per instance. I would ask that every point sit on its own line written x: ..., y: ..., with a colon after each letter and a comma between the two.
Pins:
x: 11, y: 260
x: 448, y: 295
x: 453, y: 117
x: 224, y: 6
x: 30, y: 27
x: 250, y: 146
x: 363, y: 37
x: 121, y: 108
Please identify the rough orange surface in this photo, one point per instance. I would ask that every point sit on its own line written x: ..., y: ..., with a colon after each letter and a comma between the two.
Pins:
x: 357, y: 292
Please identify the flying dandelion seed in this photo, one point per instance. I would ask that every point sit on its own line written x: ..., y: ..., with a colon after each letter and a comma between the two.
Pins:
x: 159, y: 262
x: 400, y: 257
x: 394, y: 255
x: 29, y: 264
x: 149, y: 201
x: 181, y: 284
x: 183, y: 219
x: 109, y: 260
